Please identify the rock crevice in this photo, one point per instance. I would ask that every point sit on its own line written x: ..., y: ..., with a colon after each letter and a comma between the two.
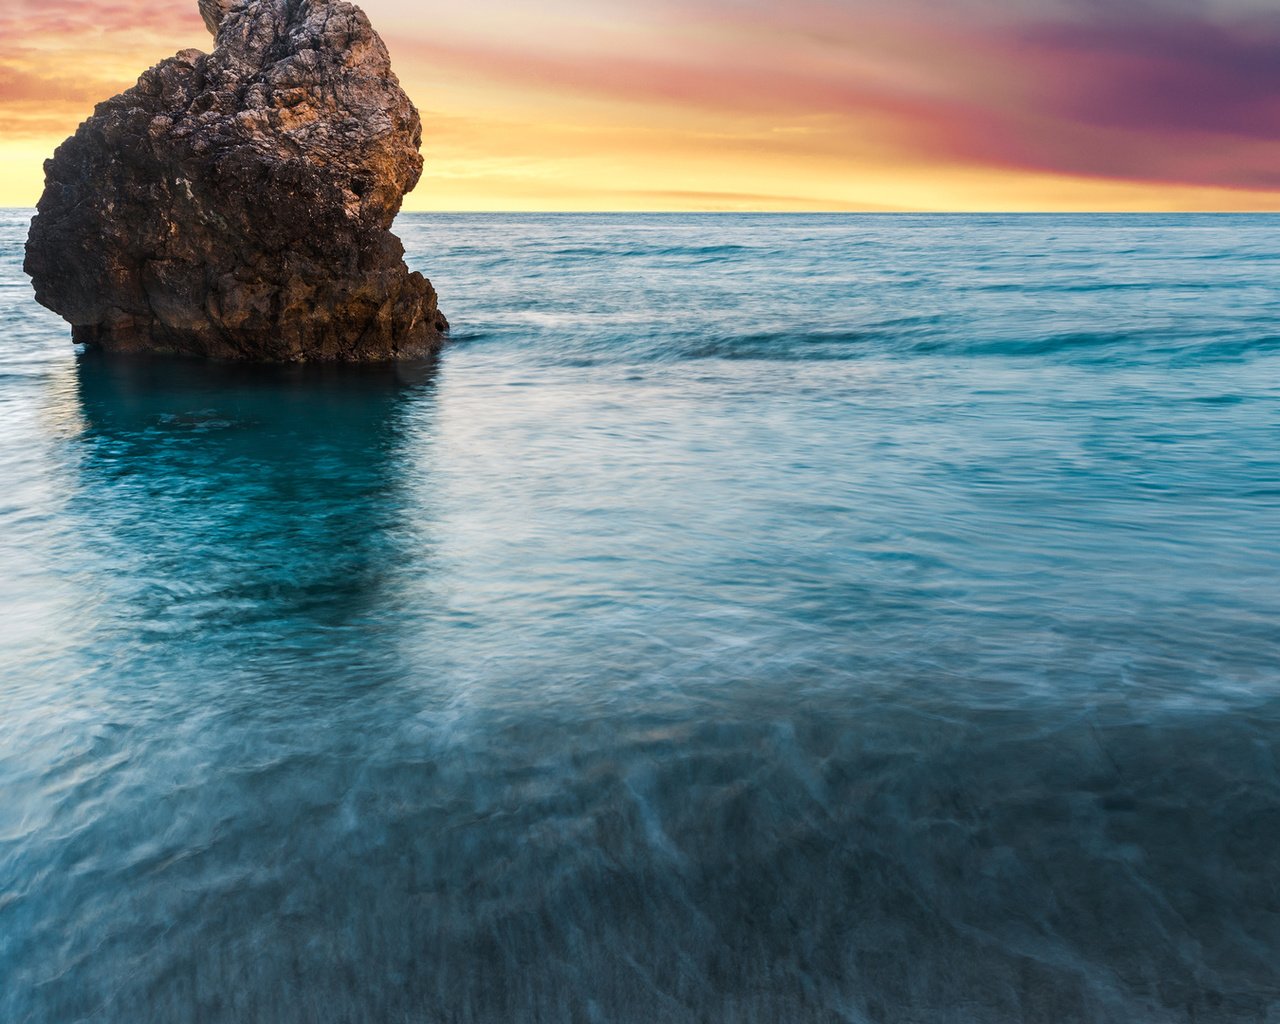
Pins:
x: 238, y: 204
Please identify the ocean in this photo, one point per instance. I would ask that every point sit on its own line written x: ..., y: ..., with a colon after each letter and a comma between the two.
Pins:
x: 749, y: 618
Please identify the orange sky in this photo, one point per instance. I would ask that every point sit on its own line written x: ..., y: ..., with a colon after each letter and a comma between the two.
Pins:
x: 742, y: 104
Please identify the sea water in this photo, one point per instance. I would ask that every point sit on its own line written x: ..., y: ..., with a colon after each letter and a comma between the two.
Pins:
x: 749, y: 618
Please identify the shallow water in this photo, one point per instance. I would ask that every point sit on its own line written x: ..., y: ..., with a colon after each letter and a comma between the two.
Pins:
x: 748, y: 619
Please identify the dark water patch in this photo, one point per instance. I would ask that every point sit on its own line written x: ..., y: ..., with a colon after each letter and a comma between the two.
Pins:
x: 1053, y: 344
x: 1219, y: 399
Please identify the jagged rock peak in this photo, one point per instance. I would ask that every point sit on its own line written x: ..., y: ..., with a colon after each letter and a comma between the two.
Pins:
x: 213, y: 11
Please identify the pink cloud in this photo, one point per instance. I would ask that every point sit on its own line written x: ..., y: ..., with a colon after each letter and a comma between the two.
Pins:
x: 1147, y: 97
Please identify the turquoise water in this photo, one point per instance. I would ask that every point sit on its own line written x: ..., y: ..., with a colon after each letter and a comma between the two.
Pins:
x: 750, y: 618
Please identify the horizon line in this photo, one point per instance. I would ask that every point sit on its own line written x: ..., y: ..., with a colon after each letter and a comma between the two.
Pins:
x: 819, y: 212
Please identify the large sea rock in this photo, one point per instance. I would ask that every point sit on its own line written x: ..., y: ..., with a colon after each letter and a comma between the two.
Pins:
x: 237, y: 204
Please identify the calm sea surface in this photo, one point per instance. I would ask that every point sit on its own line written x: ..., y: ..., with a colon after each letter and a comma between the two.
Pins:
x: 750, y: 618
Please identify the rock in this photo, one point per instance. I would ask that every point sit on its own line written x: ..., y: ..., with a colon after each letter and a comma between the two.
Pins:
x: 238, y: 204
x: 213, y: 11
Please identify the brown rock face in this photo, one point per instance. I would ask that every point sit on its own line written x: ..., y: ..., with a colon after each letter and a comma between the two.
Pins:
x: 238, y: 204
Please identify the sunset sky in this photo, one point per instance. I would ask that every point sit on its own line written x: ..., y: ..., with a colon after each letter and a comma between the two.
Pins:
x: 741, y: 104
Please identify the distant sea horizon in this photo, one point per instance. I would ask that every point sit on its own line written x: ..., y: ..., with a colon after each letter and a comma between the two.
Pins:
x: 819, y: 213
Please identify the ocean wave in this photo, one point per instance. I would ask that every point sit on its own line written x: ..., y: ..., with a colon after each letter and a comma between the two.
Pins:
x: 920, y: 338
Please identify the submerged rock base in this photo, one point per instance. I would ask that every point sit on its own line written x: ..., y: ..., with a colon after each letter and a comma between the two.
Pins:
x: 238, y: 204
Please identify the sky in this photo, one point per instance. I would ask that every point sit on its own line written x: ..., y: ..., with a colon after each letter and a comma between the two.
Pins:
x: 747, y: 105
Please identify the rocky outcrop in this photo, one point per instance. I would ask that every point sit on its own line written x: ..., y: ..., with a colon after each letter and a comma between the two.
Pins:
x: 238, y: 204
